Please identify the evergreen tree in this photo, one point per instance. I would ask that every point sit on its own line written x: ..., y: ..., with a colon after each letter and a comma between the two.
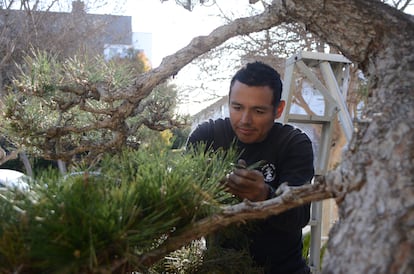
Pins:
x: 105, y: 220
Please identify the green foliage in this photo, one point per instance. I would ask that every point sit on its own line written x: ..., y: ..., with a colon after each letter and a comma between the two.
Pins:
x: 306, y: 246
x: 40, y: 104
x: 180, y: 136
x: 197, y: 258
x: 159, y: 112
x: 61, y: 110
x: 87, y: 221
x: 306, y: 249
x: 188, y: 259
x: 228, y: 261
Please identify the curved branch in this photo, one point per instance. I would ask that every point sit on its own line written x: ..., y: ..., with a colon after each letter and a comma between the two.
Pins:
x: 172, y: 64
x: 324, y: 187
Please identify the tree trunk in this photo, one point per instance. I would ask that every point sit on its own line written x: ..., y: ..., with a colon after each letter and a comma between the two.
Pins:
x: 375, y: 233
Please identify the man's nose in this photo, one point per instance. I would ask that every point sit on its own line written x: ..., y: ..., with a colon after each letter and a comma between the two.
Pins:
x: 246, y: 117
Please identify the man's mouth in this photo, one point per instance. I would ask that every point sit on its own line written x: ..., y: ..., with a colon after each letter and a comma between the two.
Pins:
x: 245, y: 131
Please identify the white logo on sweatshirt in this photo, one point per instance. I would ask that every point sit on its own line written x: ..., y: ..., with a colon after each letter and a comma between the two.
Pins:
x: 269, y: 172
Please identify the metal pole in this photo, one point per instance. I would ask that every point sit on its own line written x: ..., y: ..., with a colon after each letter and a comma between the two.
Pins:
x: 315, y: 241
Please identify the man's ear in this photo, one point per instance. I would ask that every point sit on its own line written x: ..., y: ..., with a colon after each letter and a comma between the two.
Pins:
x: 279, y: 109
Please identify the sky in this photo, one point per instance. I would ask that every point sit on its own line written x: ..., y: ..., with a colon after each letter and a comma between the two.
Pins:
x: 172, y: 26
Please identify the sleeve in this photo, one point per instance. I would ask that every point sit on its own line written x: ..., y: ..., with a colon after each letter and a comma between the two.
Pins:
x: 297, y: 169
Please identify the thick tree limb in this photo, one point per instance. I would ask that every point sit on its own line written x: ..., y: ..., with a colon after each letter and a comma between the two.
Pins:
x: 172, y: 64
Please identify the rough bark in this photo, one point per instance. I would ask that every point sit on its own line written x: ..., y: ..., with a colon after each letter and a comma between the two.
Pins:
x: 375, y: 231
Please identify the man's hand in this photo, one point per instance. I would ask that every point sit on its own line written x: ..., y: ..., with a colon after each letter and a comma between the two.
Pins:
x: 246, y: 183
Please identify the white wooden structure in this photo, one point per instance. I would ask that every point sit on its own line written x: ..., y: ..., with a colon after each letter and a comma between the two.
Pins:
x: 329, y: 75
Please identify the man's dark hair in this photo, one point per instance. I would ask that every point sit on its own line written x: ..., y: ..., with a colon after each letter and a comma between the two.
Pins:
x: 261, y: 75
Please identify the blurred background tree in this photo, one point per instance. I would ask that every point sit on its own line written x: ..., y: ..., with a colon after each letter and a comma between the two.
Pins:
x: 53, y: 78
x: 48, y: 113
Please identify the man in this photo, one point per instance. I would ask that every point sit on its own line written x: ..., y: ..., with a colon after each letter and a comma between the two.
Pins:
x: 286, y: 156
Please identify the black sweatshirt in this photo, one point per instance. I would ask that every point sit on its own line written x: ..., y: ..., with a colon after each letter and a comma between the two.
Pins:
x: 276, y: 242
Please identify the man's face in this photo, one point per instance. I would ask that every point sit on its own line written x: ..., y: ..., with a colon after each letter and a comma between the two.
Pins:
x: 251, y: 112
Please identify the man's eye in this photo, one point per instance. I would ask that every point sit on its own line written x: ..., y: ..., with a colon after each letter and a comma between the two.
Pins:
x: 236, y: 107
x: 258, y: 111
